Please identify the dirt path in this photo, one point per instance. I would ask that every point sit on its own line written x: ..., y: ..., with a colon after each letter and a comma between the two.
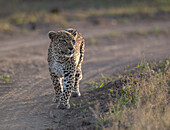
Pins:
x: 26, y: 101
x: 87, y: 32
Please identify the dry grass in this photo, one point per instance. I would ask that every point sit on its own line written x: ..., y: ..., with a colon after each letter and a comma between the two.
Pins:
x: 24, y: 21
x: 142, y: 102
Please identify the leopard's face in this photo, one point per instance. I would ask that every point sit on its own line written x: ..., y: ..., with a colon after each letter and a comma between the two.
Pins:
x: 66, y: 44
x: 63, y: 43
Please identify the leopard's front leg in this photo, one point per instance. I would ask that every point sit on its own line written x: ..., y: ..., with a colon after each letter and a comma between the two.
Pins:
x: 57, y: 82
x: 69, y: 80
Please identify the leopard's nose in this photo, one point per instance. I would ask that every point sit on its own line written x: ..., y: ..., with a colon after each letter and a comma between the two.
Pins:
x: 70, y: 48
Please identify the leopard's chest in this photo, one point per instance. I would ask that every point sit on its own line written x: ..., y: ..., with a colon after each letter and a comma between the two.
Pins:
x: 57, y: 69
x: 57, y: 66
x: 60, y: 64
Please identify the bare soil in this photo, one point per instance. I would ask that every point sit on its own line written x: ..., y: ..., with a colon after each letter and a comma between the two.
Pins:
x: 26, y: 102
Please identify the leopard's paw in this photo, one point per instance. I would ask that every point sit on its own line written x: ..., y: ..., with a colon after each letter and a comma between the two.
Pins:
x: 75, y: 94
x: 63, y: 106
x: 55, y: 100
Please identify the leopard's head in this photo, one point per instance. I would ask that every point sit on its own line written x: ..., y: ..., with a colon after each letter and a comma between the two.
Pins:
x: 63, y: 42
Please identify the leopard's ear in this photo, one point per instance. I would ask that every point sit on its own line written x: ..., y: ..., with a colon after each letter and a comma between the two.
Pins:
x: 53, y: 35
x: 72, y: 31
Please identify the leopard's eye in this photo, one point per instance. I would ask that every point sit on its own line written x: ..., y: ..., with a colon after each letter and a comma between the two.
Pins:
x: 63, y: 42
x: 73, y: 42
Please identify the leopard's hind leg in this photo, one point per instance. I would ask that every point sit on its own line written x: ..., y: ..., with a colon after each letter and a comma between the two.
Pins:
x: 78, y: 77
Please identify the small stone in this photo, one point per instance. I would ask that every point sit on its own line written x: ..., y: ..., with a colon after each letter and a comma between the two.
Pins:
x: 52, y: 115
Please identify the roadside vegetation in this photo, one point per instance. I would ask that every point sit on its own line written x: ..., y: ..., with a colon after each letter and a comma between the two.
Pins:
x: 139, y: 99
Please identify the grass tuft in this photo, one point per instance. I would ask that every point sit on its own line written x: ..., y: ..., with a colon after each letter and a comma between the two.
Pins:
x: 5, y: 78
x: 141, y: 32
x: 99, y: 84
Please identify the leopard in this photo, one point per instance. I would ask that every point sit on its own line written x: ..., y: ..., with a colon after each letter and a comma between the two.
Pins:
x: 65, y: 57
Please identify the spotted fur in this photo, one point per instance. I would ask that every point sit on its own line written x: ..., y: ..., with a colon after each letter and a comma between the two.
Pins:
x: 65, y: 56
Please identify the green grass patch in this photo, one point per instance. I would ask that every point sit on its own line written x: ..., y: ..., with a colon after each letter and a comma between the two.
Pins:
x: 57, y: 121
x: 84, y: 110
x: 99, y: 84
x: 5, y: 78
x: 141, y: 32
x: 74, y: 105
x: 157, y: 30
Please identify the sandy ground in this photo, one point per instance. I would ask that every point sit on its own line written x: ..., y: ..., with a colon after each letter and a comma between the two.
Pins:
x: 26, y: 102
